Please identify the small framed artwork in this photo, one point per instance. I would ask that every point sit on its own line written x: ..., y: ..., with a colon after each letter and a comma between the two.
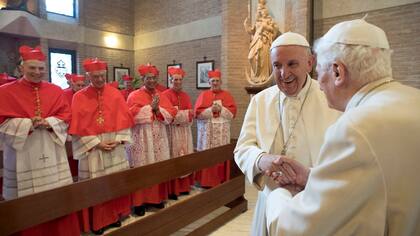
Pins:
x: 168, y: 77
x: 119, y: 72
x: 202, y: 78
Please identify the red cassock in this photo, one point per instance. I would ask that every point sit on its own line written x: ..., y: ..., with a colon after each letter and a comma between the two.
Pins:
x: 183, y: 101
x: 161, y: 88
x: 85, y: 110
x: 212, y: 176
x: 138, y: 99
x: 126, y: 92
x: 68, y: 94
x: 17, y: 100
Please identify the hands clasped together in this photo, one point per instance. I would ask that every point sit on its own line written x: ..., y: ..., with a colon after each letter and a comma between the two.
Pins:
x: 155, y: 103
x: 108, y: 145
x: 40, y: 123
x: 286, y: 172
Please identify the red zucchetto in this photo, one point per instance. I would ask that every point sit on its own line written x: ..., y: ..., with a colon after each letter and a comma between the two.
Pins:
x: 28, y: 53
x: 127, y: 78
x: 176, y: 71
x: 148, y: 69
x: 75, y: 77
x: 95, y: 64
x: 214, y: 73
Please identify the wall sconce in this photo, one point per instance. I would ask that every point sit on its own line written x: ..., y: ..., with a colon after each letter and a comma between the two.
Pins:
x: 111, y: 41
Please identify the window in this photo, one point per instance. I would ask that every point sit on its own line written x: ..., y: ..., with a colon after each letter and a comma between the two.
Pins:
x: 61, y: 62
x: 62, y: 7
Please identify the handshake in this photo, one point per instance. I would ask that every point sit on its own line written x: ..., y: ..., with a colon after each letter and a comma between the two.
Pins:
x: 286, y: 172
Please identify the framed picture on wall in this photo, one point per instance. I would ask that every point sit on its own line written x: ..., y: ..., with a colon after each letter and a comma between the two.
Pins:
x: 202, y: 78
x: 168, y: 77
x: 119, y: 72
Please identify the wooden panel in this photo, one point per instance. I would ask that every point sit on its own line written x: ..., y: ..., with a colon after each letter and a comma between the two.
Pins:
x: 171, y: 219
x: 94, y: 191
x: 237, y: 208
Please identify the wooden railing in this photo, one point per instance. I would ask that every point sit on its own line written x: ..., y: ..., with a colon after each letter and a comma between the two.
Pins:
x: 24, y: 212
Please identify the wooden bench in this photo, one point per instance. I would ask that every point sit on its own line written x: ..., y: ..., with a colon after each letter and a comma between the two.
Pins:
x: 24, y: 212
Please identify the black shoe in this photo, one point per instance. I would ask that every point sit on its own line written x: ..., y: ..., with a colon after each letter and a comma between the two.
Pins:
x: 98, y: 232
x: 184, y: 193
x: 115, y: 224
x: 140, y: 210
x: 173, y: 197
x: 158, y: 206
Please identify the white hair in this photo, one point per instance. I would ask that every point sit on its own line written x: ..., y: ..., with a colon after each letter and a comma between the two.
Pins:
x: 364, y: 63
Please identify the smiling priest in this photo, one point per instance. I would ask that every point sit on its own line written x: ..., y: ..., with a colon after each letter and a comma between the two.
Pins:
x: 100, y: 127
x: 33, y: 130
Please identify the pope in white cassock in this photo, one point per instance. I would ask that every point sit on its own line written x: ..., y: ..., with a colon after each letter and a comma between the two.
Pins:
x: 288, y: 118
x: 365, y: 181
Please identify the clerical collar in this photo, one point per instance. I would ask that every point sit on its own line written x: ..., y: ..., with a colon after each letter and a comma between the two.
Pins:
x: 29, y: 83
x: 148, y: 91
x: 366, y: 91
x: 301, y: 95
x: 101, y: 89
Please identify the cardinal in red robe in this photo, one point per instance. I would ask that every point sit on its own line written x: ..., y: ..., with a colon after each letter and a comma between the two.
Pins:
x: 180, y: 135
x: 33, y: 129
x: 152, y: 112
x: 100, y: 127
x: 214, y: 111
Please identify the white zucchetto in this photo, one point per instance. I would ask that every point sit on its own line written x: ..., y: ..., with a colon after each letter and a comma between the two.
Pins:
x: 357, y: 32
x: 289, y: 38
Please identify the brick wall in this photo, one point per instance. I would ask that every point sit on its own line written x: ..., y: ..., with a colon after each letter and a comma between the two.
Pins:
x: 113, y: 16
x: 152, y: 15
x: 113, y: 57
x: 297, y: 17
x: 401, y: 26
x: 235, y: 43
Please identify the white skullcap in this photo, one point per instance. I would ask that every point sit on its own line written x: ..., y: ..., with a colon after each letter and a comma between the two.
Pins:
x: 289, y: 38
x: 357, y: 32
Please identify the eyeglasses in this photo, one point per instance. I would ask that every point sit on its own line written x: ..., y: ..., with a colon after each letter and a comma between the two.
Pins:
x: 150, y: 78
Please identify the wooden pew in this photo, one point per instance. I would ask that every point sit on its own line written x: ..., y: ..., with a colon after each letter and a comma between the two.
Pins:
x: 27, y: 211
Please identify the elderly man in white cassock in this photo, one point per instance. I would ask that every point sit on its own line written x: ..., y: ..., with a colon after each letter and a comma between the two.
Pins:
x: 289, y: 118
x: 364, y: 182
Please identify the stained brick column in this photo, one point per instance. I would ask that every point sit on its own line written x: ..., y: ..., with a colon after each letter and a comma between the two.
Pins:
x: 235, y: 43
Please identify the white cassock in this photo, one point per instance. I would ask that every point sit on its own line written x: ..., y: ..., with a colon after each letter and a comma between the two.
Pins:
x: 95, y: 162
x: 366, y: 179
x: 213, y: 131
x: 33, y: 162
x: 150, y: 138
x: 267, y: 125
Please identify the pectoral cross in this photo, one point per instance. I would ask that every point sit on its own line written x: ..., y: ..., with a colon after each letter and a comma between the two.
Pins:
x: 100, y: 120
x: 43, y: 158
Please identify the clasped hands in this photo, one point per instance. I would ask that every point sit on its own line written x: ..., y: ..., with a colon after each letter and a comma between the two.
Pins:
x: 108, y: 145
x: 216, y: 108
x: 39, y: 122
x: 155, y: 103
x: 286, y: 172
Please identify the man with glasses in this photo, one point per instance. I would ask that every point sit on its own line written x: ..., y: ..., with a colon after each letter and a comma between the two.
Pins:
x: 151, y: 112
x: 100, y: 127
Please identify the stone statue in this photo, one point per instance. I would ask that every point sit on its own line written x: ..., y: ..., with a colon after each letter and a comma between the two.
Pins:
x: 263, y: 33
